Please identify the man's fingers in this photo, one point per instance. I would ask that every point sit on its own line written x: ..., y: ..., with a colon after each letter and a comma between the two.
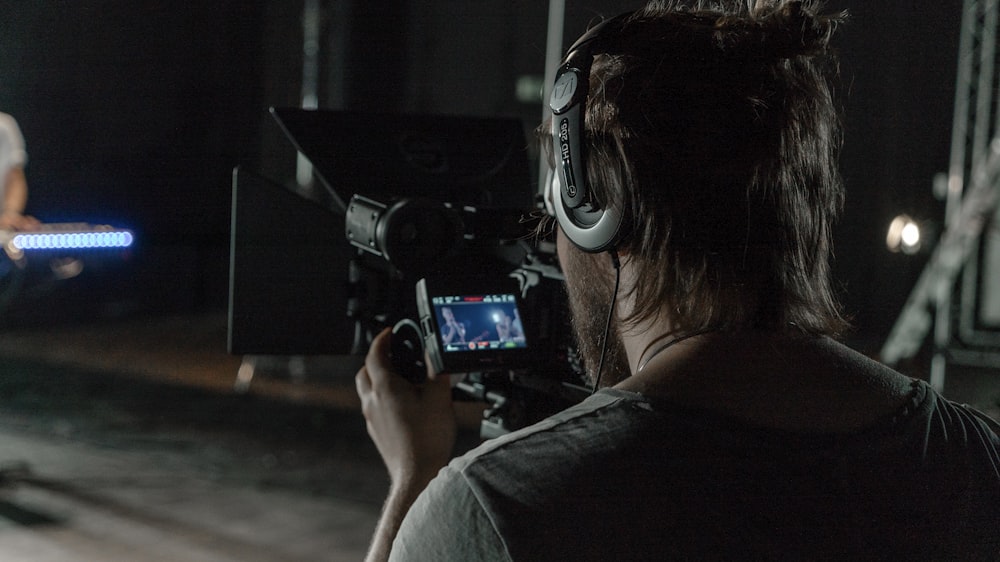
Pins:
x: 362, y: 382
x: 380, y: 345
x: 377, y: 361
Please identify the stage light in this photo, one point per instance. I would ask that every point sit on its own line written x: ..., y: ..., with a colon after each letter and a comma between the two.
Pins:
x: 72, y: 240
x: 904, y: 235
x: 911, y: 235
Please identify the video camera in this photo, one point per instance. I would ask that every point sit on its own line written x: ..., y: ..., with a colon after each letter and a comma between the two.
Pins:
x: 419, y: 225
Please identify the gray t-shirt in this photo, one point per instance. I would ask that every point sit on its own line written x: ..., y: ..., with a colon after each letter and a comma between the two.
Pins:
x: 619, y: 477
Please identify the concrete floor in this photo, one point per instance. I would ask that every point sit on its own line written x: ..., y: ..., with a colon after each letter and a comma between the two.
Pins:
x: 130, y: 440
x: 127, y: 440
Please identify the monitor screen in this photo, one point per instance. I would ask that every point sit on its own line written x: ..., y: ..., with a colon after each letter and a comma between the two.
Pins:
x: 479, y: 322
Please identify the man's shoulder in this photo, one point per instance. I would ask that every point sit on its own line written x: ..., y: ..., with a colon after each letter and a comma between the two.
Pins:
x: 8, y: 125
x: 617, y: 457
x: 544, y: 465
x: 484, y: 504
x: 604, y: 413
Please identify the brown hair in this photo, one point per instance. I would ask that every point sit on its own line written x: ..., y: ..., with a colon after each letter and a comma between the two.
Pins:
x: 714, y: 129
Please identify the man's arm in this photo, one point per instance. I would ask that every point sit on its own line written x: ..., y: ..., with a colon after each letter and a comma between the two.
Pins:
x: 396, y: 506
x: 15, y: 199
x: 413, y: 427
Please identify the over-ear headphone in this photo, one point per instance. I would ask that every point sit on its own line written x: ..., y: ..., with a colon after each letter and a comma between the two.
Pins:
x: 590, y: 227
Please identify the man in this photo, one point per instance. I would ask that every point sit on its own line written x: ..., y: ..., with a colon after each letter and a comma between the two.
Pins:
x: 454, y: 331
x: 13, y: 186
x: 697, y: 148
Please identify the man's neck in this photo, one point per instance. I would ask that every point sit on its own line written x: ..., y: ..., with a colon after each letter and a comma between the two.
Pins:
x: 787, y: 381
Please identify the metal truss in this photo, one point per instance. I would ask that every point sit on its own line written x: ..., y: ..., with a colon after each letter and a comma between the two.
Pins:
x: 971, y: 200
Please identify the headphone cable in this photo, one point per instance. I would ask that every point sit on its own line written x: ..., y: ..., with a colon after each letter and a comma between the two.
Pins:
x: 611, y: 314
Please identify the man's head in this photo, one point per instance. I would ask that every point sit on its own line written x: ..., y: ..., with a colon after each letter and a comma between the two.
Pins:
x: 711, y: 129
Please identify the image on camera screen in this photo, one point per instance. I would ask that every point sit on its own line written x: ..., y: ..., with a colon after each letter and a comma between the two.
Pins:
x: 479, y: 322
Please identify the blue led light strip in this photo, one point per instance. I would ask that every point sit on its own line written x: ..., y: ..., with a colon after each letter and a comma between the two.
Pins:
x: 72, y: 240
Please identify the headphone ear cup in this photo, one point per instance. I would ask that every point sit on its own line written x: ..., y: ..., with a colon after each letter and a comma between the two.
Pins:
x: 590, y: 230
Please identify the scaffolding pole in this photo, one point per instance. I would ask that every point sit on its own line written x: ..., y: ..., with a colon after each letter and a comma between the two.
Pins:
x: 970, y: 197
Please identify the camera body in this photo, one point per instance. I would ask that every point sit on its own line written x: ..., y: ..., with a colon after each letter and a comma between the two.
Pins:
x: 404, y: 209
x: 484, y: 298
x: 502, y: 332
x: 504, y: 329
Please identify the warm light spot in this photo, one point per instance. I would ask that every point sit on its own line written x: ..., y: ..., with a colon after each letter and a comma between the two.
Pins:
x: 903, y: 235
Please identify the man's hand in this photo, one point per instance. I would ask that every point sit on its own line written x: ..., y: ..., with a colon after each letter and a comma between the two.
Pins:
x: 413, y: 427
x: 11, y: 220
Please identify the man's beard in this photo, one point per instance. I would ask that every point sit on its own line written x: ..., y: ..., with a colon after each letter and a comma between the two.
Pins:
x: 590, y: 293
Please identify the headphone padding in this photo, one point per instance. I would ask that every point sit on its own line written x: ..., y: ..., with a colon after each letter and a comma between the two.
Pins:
x: 591, y: 231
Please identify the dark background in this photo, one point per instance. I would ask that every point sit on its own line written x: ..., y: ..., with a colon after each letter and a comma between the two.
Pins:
x: 136, y: 111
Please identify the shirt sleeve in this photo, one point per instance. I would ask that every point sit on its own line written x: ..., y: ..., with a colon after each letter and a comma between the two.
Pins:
x: 447, y: 522
x: 15, y: 141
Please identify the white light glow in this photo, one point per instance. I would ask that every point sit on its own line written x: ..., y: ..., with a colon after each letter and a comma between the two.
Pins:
x: 903, y: 235
x: 72, y: 240
x: 911, y: 234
